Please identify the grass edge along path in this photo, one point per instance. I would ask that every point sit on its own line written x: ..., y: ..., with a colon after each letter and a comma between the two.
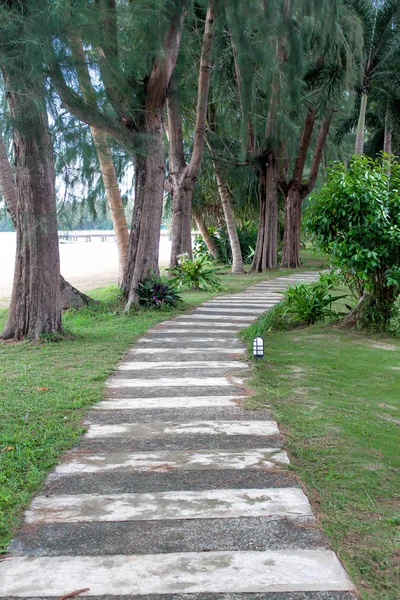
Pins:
x: 47, y: 388
x: 336, y: 396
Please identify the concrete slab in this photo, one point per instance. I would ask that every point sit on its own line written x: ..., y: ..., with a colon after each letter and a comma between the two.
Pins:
x: 165, y: 461
x: 207, y: 504
x: 179, y: 373
x: 120, y: 482
x: 184, y: 402
x: 177, y: 414
x: 188, y: 351
x: 188, y: 364
x: 164, y: 443
x: 288, y: 570
x: 162, y: 382
x: 224, y: 596
x: 177, y: 429
x: 166, y: 536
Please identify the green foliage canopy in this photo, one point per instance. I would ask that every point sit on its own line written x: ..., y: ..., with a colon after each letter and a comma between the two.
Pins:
x: 356, y: 219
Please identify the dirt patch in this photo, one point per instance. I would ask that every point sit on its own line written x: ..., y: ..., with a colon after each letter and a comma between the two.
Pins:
x: 389, y: 418
x: 389, y: 406
x: 384, y: 346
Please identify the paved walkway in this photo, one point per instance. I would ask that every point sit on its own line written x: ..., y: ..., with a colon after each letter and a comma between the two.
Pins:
x: 175, y: 492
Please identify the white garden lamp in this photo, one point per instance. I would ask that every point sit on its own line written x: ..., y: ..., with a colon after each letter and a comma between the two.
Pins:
x: 258, y: 348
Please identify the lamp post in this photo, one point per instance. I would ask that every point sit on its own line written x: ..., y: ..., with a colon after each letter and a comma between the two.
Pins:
x: 258, y: 347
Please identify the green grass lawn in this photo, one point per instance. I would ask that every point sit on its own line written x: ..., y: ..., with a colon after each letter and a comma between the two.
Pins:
x: 46, y: 388
x: 336, y: 396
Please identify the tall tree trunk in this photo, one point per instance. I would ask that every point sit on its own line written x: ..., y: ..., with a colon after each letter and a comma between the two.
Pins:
x: 266, y: 253
x: 113, y: 196
x: 182, y: 189
x: 107, y: 168
x: 360, y: 135
x: 144, y: 241
x: 205, y: 234
x: 184, y: 176
x: 134, y: 123
x: 70, y: 296
x: 296, y: 190
x: 387, y: 142
x: 291, y: 239
x: 237, y: 259
x: 35, y: 303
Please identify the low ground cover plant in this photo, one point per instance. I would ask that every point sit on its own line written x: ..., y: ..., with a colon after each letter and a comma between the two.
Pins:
x: 196, y: 274
x: 335, y: 392
x: 157, y: 293
x: 311, y: 302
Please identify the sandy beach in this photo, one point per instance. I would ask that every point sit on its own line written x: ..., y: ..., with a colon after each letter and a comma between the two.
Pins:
x: 86, y: 265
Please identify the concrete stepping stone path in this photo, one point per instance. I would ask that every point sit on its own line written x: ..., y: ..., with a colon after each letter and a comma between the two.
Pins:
x: 176, y: 492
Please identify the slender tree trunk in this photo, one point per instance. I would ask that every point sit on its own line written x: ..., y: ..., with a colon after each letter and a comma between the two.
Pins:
x: 387, y: 143
x: 258, y: 254
x: 113, y: 196
x: 107, y: 168
x: 205, y: 234
x: 296, y: 190
x: 266, y: 254
x: 144, y: 241
x: 184, y: 176
x: 291, y: 240
x: 360, y: 136
x: 35, y: 303
x: 182, y: 196
x: 237, y: 259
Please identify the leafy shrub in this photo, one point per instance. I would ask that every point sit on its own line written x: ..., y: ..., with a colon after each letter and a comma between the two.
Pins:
x: 310, y: 302
x: 355, y: 218
x: 155, y: 293
x: 247, y: 238
x: 196, y: 274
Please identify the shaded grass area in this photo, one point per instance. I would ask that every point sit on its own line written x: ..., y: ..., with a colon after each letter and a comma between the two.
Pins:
x: 336, y: 396
x: 46, y: 388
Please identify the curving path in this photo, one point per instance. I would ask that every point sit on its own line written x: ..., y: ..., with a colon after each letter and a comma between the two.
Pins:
x: 175, y: 492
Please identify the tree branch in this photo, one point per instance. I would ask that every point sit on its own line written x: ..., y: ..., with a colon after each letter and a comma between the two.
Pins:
x: 203, y: 89
x: 88, y: 112
x: 319, y: 147
x: 305, y: 140
x: 113, y: 77
x: 164, y: 64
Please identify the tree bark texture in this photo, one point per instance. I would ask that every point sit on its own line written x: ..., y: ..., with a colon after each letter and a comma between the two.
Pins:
x: 144, y: 240
x: 205, y: 234
x: 70, y: 296
x: 7, y: 183
x: 360, y: 135
x: 183, y: 176
x: 138, y: 125
x: 291, y: 236
x: 107, y: 168
x: 295, y: 191
x: 266, y: 252
x: 387, y: 142
x: 113, y: 196
x: 35, y: 303
x: 224, y: 194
